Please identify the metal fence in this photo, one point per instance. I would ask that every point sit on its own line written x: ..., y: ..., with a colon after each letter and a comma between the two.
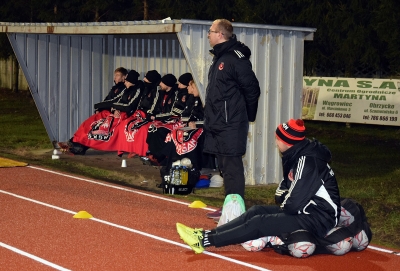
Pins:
x: 6, y: 75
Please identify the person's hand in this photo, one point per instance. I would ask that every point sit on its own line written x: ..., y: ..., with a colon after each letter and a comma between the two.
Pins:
x: 192, y: 125
x: 150, y: 117
x: 117, y: 114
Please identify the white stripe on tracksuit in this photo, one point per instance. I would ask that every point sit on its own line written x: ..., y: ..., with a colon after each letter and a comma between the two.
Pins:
x: 238, y: 53
x: 322, y: 192
x: 299, y: 172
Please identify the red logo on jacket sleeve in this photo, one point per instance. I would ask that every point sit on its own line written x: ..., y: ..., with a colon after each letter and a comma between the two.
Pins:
x: 290, y: 175
x: 221, y: 66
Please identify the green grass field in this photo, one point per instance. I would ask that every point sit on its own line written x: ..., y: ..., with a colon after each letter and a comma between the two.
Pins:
x: 366, y: 161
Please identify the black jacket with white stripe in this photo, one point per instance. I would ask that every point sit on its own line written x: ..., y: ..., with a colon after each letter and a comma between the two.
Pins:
x: 168, y: 106
x: 231, y: 99
x: 309, y: 188
x: 129, y: 101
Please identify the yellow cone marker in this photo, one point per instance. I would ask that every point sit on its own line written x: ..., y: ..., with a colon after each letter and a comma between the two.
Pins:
x: 4, y: 162
x: 83, y: 214
x: 197, y: 204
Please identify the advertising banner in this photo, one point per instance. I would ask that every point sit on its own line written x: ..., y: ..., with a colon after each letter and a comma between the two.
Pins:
x: 353, y: 100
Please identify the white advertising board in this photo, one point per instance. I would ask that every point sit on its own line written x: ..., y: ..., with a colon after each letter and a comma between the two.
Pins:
x: 353, y: 100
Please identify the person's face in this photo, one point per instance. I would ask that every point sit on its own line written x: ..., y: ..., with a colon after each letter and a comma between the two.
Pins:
x: 146, y: 80
x: 192, y: 89
x: 164, y: 87
x: 214, y: 36
x: 119, y: 77
x: 281, y: 146
x: 127, y: 84
x: 180, y: 85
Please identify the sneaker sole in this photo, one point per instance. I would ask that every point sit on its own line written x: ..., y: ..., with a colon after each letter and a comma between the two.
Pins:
x: 214, y: 214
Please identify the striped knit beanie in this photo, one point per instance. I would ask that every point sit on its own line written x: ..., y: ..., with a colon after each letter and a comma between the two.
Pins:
x: 291, y: 132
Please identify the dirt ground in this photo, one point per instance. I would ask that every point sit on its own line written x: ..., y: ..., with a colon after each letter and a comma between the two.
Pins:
x: 135, y: 174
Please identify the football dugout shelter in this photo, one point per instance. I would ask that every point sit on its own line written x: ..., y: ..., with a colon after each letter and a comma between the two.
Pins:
x: 69, y: 67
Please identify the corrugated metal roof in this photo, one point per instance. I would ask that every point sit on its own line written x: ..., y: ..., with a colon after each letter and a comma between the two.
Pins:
x: 130, y: 27
x: 258, y: 26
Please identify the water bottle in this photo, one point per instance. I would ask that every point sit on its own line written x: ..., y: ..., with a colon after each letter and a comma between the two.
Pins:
x: 166, y: 179
x: 171, y: 174
x: 184, y: 175
x: 177, y: 177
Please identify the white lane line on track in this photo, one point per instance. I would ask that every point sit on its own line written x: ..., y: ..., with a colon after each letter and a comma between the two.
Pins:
x: 116, y: 187
x: 136, y: 231
x: 33, y: 257
x: 384, y: 250
x: 166, y: 199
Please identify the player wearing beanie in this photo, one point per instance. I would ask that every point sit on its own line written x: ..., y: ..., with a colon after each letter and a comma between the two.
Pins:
x: 307, y: 197
x: 151, y: 81
x: 152, y: 76
x: 164, y: 102
x: 129, y: 101
x: 135, y: 127
x: 156, y: 138
x: 291, y: 132
x: 166, y: 110
x: 184, y: 79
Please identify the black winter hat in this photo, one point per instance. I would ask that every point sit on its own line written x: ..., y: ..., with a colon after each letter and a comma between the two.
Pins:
x: 132, y: 76
x: 169, y: 80
x: 185, y: 78
x: 153, y: 76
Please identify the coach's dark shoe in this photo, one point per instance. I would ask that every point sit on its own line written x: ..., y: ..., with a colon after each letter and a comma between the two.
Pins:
x: 215, y: 214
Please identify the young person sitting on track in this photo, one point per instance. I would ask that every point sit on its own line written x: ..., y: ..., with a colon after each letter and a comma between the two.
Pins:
x: 308, y: 197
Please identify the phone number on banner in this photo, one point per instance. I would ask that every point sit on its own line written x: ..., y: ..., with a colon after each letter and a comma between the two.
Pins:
x: 335, y: 115
x: 380, y: 118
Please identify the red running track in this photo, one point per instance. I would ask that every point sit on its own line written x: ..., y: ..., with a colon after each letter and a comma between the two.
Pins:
x: 130, y: 230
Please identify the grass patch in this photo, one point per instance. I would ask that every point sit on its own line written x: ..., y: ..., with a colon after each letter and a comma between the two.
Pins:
x: 22, y: 127
x: 365, y: 159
